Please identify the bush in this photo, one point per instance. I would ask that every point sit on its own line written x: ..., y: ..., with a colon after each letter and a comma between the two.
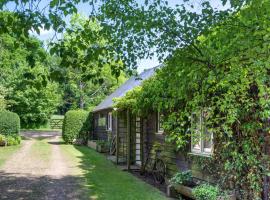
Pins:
x: 76, y: 126
x: 9, y: 123
x: 9, y: 140
x: 2, y: 140
x: 182, y: 178
x: 206, y: 192
x: 13, y: 140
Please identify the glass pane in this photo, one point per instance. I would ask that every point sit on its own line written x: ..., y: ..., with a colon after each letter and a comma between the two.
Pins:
x: 196, y: 133
x: 207, y: 136
x: 160, y: 122
x: 207, y: 141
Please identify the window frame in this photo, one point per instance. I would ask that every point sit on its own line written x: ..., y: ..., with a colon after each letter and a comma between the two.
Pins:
x: 101, y: 120
x: 109, y: 121
x: 159, y: 129
x: 202, y: 131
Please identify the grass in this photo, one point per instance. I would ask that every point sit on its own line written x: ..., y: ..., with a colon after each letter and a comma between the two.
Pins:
x: 6, y: 152
x: 105, y: 181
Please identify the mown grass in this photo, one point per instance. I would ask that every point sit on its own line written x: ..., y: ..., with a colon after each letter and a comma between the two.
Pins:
x: 6, y: 152
x: 105, y: 181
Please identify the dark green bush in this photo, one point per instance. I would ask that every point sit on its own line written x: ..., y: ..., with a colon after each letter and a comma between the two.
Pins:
x: 76, y: 126
x: 9, y: 123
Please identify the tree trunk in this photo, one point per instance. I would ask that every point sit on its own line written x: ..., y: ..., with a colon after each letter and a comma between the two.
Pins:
x: 81, y: 85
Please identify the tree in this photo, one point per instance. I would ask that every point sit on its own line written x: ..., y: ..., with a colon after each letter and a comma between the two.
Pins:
x: 24, y: 72
x: 86, y: 77
x: 134, y: 30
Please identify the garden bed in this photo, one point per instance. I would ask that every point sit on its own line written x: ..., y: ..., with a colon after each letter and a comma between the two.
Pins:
x: 187, y: 191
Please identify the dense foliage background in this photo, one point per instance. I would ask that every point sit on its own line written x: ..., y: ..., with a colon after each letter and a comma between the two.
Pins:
x: 30, y: 88
x: 217, y: 58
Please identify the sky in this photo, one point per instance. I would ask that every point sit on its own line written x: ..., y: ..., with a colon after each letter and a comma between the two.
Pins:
x: 85, y: 9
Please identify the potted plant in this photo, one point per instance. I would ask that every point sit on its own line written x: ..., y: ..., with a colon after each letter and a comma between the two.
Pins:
x: 210, y: 192
x: 183, y: 183
x: 102, y: 146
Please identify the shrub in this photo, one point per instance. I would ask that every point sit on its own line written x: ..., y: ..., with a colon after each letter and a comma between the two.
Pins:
x: 206, y: 192
x: 9, y: 140
x: 9, y: 123
x: 182, y: 178
x: 13, y: 140
x: 2, y: 140
x: 76, y: 126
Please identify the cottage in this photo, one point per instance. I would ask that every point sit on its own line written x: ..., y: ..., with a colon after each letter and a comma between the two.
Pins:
x: 139, y: 141
x: 114, y: 127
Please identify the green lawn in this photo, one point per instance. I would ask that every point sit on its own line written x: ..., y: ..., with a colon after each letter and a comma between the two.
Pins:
x: 105, y: 181
x: 6, y: 152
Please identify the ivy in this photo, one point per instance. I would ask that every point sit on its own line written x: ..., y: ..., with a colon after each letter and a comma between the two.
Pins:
x: 229, y: 77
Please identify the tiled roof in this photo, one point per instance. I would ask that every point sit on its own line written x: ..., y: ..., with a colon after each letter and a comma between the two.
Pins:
x: 123, y: 89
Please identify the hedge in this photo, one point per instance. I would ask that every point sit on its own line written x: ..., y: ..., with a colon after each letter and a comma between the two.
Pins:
x: 9, y: 123
x: 76, y: 126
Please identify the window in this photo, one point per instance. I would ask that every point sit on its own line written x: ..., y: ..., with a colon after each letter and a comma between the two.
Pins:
x: 160, y: 119
x: 109, y: 121
x: 201, y: 137
x: 101, y: 120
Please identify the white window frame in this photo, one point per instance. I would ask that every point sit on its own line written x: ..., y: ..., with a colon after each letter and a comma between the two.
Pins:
x: 202, y: 131
x: 160, y: 130
x: 109, y: 121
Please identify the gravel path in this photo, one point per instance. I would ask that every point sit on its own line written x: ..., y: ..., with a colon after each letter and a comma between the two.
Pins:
x: 40, y: 174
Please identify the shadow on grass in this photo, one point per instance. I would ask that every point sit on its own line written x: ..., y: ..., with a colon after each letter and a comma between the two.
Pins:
x: 57, y: 143
x: 106, y: 181
x: 16, y: 186
x: 39, y: 135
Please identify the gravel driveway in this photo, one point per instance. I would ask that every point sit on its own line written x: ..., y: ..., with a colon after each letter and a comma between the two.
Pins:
x: 40, y: 174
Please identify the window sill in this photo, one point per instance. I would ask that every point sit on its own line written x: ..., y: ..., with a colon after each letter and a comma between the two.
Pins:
x: 208, y: 155
x: 160, y: 133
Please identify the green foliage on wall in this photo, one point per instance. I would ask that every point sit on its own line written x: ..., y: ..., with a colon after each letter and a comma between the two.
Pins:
x: 225, y: 70
x: 76, y: 125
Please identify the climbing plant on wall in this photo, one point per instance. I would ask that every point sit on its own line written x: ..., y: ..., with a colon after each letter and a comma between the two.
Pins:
x: 228, y: 75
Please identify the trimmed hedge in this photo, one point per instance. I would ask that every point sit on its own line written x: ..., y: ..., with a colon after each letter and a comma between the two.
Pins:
x: 9, y: 123
x: 76, y: 126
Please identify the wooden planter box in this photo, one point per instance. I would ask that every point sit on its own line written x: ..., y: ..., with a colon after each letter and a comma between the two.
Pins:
x: 187, y: 191
x: 92, y: 144
x: 184, y: 190
x: 102, y: 149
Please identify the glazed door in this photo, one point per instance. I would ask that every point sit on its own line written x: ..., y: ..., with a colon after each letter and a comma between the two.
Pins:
x: 138, y: 142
